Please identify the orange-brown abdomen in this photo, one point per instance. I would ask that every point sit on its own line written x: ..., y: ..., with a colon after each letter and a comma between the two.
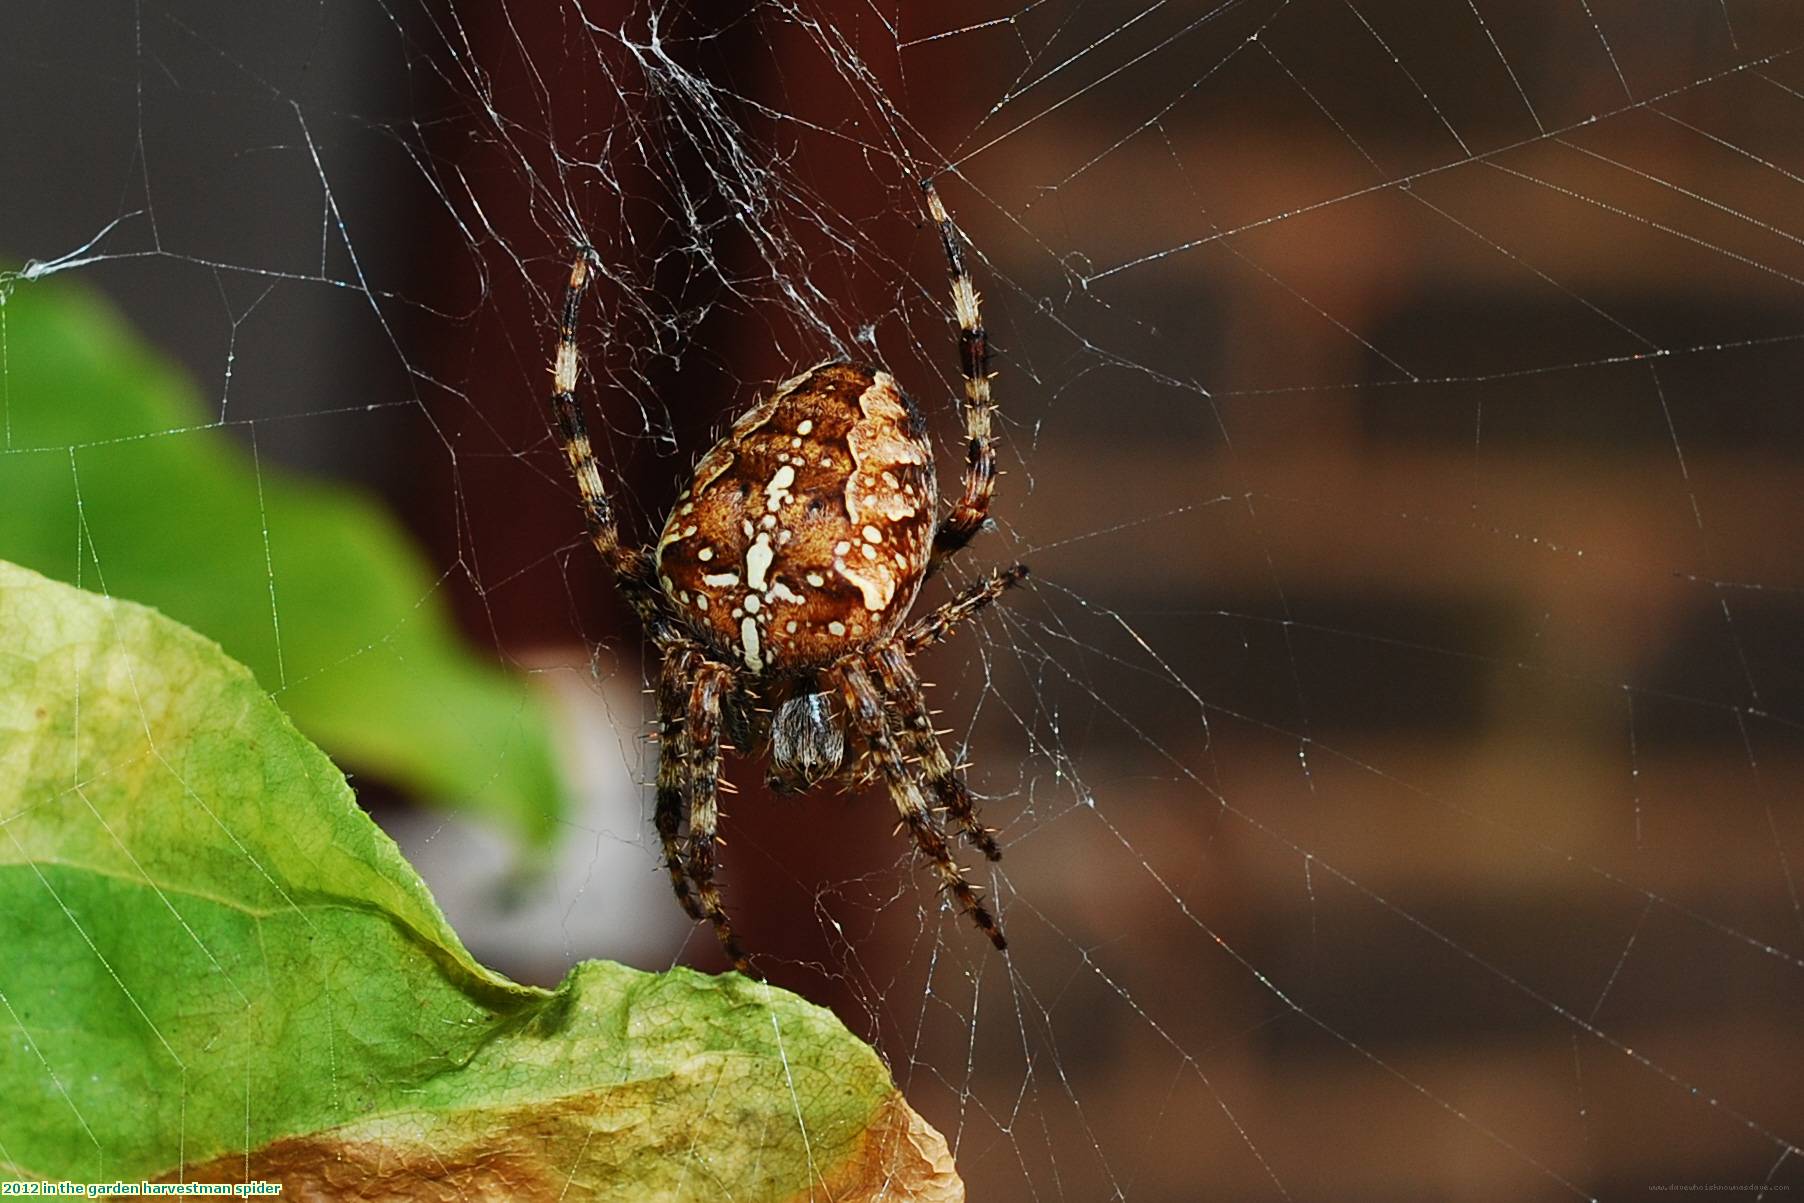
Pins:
x: 806, y: 530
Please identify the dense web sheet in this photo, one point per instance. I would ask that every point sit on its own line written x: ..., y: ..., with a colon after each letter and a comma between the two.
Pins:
x: 1398, y: 754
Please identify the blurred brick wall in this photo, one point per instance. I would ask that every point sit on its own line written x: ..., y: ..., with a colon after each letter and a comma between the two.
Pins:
x: 1466, y: 691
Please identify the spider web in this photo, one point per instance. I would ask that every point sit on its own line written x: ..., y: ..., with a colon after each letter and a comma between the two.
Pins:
x: 1398, y: 753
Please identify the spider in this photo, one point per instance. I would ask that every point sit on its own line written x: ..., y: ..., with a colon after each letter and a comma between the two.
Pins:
x: 778, y: 594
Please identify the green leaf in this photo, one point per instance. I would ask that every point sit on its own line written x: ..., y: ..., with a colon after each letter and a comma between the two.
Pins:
x: 113, y: 476
x: 216, y: 967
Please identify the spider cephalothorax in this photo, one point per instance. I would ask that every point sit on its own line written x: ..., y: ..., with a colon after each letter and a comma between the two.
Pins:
x: 779, y: 591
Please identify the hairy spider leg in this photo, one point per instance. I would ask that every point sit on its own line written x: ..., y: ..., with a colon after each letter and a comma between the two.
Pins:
x: 970, y: 511
x: 933, y: 627
x: 674, y: 758
x: 632, y: 566
x: 864, y: 704
x: 712, y: 682
x: 902, y: 688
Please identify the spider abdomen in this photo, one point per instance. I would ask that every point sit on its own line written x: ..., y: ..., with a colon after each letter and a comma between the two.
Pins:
x: 806, y: 530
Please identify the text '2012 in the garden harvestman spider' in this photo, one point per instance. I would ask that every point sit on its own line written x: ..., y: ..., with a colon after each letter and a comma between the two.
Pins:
x: 778, y: 594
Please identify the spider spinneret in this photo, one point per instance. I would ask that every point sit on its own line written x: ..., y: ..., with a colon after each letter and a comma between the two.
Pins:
x: 779, y: 590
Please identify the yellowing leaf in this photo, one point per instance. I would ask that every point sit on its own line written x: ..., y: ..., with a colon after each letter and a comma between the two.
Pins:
x: 214, y: 967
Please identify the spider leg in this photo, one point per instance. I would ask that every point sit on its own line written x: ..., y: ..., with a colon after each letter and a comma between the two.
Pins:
x: 971, y: 510
x: 919, y: 743
x: 711, y: 683
x: 632, y: 566
x: 674, y: 757
x: 865, y: 706
x: 939, y: 624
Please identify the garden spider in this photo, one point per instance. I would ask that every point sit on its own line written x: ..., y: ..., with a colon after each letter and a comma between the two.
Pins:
x: 777, y: 593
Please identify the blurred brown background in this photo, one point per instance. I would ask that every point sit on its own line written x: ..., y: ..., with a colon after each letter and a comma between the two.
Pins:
x: 1399, y: 757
